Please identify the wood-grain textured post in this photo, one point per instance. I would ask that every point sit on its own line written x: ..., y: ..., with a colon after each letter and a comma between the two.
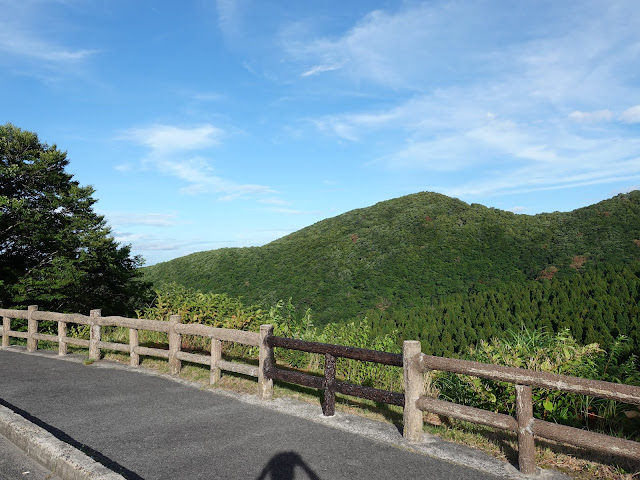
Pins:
x: 62, y: 334
x: 526, y: 444
x: 329, y: 397
x: 216, y: 356
x: 6, y: 326
x: 413, y: 387
x: 32, y: 323
x: 134, y: 341
x: 266, y: 361
x: 175, y: 364
x: 95, y: 334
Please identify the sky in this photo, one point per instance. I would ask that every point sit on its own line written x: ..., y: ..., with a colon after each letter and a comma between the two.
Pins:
x: 207, y: 124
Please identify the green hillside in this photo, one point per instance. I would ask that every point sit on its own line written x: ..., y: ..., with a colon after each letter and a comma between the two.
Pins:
x: 413, y: 251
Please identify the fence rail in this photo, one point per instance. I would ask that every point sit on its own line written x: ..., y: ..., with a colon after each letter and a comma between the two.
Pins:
x: 173, y: 328
x: 524, y: 424
x: 328, y: 383
x: 414, y: 363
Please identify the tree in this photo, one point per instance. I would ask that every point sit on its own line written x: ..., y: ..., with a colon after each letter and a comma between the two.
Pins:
x: 55, y: 251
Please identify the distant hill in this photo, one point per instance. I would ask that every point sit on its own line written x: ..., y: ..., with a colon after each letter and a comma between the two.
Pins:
x: 413, y: 250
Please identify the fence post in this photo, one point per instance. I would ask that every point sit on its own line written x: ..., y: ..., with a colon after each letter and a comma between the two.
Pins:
x: 413, y: 387
x: 32, y: 343
x: 329, y: 397
x: 265, y: 362
x: 134, y: 358
x: 174, y: 345
x: 6, y: 326
x: 62, y: 334
x: 95, y: 334
x: 526, y: 444
x: 216, y: 356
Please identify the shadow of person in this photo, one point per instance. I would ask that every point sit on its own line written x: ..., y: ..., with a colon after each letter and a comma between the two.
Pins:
x: 282, y: 466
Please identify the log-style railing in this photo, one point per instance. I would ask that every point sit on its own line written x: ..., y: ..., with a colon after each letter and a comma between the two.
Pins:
x: 328, y: 383
x: 173, y: 328
x: 414, y: 363
x: 526, y: 427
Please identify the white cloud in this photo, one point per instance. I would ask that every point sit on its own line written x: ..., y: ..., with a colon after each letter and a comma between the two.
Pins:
x: 29, y: 31
x: 146, y: 219
x: 321, y: 69
x: 631, y: 115
x: 442, y: 125
x: 168, y: 138
x: 170, y: 148
x: 595, y: 116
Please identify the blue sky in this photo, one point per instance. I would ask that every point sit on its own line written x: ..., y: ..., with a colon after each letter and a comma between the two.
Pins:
x: 205, y: 124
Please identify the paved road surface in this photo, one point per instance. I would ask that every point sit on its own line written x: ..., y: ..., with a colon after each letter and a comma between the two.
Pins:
x: 153, y: 427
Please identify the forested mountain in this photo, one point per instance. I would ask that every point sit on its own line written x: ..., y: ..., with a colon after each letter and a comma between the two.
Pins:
x: 403, y: 251
x: 417, y: 256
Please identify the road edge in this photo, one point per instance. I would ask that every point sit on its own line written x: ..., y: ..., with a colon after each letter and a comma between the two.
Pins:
x: 60, y: 458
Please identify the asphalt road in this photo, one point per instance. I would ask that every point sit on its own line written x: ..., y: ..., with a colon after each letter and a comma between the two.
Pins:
x: 153, y: 427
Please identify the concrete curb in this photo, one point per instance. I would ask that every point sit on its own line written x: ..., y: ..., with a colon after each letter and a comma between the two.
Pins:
x: 66, y: 462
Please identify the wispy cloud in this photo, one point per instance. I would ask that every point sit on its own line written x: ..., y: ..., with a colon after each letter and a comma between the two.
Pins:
x: 27, y: 35
x: 146, y: 219
x: 172, y: 152
x: 596, y: 116
x: 631, y: 115
x: 317, y: 69
x: 169, y: 138
x: 543, y: 111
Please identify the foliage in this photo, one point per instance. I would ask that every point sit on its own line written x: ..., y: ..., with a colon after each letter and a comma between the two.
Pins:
x: 55, y: 251
x: 556, y: 353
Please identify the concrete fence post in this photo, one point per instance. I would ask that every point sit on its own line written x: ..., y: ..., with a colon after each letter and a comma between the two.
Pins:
x: 413, y: 387
x: 62, y: 334
x: 265, y: 362
x: 6, y: 326
x: 174, y: 345
x: 216, y: 356
x: 32, y: 343
x: 134, y: 358
x: 95, y: 334
x: 526, y: 443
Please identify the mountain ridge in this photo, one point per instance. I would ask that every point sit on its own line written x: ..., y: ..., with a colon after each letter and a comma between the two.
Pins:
x: 404, y: 251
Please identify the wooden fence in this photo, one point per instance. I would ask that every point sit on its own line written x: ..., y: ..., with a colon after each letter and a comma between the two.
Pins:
x: 328, y: 383
x: 414, y: 363
x: 526, y: 427
x: 173, y: 328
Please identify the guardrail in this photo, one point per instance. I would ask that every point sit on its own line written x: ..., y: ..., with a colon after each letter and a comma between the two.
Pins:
x: 414, y: 363
x: 173, y: 328
x: 328, y: 383
x: 526, y: 427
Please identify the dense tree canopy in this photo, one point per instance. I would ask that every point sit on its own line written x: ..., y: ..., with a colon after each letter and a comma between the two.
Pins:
x: 55, y: 251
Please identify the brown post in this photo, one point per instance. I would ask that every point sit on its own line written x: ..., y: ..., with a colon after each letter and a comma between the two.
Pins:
x: 62, y: 333
x: 95, y: 334
x: 174, y: 345
x: 329, y: 398
x: 413, y: 387
x: 32, y: 343
x: 134, y: 358
x: 526, y: 445
x: 265, y: 362
x: 6, y: 326
x: 216, y: 356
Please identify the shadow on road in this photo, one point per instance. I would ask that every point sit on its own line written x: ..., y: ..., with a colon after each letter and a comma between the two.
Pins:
x: 63, y: 437
x: 282, y: 466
